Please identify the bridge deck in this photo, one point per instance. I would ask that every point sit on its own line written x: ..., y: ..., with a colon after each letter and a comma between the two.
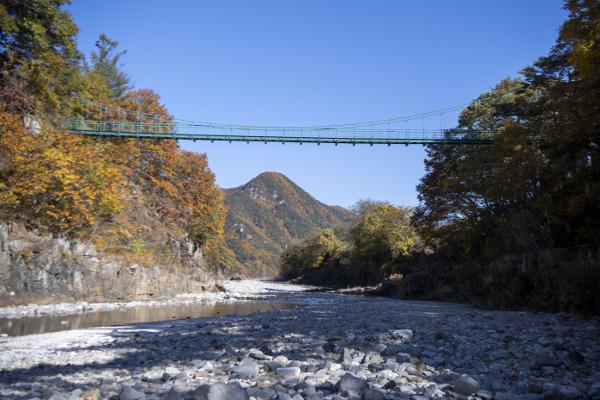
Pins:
x: 190, y: 131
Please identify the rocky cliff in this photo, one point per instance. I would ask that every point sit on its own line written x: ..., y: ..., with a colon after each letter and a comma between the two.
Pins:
x: 42, y: 269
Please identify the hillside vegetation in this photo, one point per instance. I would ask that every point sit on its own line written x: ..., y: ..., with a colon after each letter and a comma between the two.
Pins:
x: 269, y: 213
x: 130, y: 198
x: 514, y: 224
x: 380, y: 241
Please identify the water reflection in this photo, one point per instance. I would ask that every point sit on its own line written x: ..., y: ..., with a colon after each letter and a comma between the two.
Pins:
x: 47, y: 323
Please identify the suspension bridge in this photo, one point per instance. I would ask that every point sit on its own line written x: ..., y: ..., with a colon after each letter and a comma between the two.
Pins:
x: 97, y: 119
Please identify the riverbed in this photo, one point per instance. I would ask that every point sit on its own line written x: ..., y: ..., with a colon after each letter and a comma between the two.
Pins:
x: 257, y: 297
x: 334, y: 347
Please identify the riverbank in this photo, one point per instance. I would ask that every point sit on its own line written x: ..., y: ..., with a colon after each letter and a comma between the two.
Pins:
x: 336, y: 346
x: 228, y: 292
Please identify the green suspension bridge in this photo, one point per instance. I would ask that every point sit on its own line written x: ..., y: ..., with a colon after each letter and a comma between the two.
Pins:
x: 99, y: 119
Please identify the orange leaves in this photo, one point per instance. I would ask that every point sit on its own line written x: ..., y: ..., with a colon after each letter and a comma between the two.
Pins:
x: 54, y: 181
x: 63, y: 182
x: 189, y: 184
x: 146, y: 101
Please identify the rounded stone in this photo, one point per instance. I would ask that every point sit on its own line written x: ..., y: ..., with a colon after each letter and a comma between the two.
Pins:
x: 466, y: 385
x: 351, y: 384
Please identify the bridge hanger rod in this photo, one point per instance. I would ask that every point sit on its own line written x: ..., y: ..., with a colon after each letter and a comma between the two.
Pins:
x: 123, y: 111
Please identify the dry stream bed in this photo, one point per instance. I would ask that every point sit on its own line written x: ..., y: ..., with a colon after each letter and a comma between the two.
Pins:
x: 333, y: 347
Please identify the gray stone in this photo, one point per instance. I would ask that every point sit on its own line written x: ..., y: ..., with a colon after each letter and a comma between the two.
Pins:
x: 466, y: 385
x: 129, y: 393
x: 404, y: 335
x: 273, y: 365
x: 259, y: 355
x: 403, y: 357
x: 346, y: 356
x: 310, y: 391
x: 283, y: 360
x: 373, y: 357
x: 570, y: 392
x: 230, y: 350
x: 329, y: 347
x: 247, y: 370
x: 575, y: 357
x: 261, y: 393
x: 221, y: 391
x: 484, y: 395
x: 288, y: 371
x: 391, y: 364
x: 409, y: 368
x: 406, y: 389
x: 380, y: 348
x: 547, y: 361
x: 177, y: 393
x: 372, y: 394
x: 352, y: 385
x: 431, y: 389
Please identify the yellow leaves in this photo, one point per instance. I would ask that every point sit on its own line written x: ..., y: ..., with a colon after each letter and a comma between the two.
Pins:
x: 146, y: 102
x: 384, y: 234
x: 47, y: 180
x: 582, y: 32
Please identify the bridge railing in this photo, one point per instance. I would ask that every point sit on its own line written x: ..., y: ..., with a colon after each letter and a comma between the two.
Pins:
x: 119, y: 128
x: 195, y: 131
x: 94, y: 118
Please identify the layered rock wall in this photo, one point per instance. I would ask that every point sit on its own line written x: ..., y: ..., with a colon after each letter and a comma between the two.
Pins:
x: 40, y: 269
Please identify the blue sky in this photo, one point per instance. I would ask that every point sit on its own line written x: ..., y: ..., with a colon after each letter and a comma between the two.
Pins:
x: 317, y: 62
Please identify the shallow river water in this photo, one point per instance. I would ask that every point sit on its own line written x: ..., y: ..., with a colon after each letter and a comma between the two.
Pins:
x: 130, y: 315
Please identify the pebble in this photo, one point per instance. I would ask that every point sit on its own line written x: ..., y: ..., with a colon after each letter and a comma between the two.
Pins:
x: 334, y: 347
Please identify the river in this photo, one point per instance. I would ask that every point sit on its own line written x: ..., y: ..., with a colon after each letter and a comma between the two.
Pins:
x: 131, y: 315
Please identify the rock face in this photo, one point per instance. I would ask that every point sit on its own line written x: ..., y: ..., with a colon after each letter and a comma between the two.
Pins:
x: 41, y: 269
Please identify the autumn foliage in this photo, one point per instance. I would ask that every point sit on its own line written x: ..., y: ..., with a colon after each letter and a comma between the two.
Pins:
x: 517, y: 223
x: 53, y: 180
x: 136, y: 198
x: 381, y: 242
x: 514, y: 224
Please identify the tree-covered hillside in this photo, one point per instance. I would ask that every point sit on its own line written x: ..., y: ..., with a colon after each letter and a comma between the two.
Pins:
x: 129, y: 197
x: 513, y: 224
x: 269, y: 213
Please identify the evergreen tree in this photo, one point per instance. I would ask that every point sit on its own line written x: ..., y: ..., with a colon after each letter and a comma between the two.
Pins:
x: 106, y: 62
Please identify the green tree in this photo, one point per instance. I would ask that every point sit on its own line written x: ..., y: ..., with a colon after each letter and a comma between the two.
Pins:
x: 321, y: 251
x: 524, y: 213
x: 570, y: 75
x: 364, y: 206
x: 381, y: 239
x: 485, y: 199
x: 38, y: 54
x: 105, y: 62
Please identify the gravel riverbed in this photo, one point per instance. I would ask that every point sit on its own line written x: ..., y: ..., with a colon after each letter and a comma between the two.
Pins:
x: 332, y: 347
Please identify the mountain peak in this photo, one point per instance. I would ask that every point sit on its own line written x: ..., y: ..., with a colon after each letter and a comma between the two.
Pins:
x: 270, y: 212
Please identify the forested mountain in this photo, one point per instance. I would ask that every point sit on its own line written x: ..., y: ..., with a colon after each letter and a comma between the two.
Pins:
x: 267, y: 214
x: 515, y: 223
